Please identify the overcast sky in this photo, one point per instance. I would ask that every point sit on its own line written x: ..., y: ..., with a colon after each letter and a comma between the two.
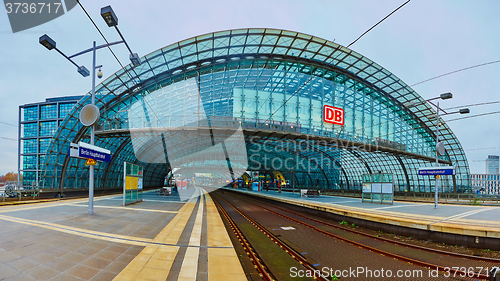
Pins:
x: 423, y: 39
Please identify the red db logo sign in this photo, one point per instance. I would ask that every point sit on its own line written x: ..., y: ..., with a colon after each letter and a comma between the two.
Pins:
x: 333, y: 115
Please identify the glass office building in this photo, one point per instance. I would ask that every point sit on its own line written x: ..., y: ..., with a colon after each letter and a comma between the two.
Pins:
x: 492, y: 164
x: 38, y: 122
x: 273, y: 85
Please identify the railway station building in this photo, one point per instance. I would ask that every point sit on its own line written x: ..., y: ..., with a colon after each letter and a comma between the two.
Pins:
x: 262, y: 97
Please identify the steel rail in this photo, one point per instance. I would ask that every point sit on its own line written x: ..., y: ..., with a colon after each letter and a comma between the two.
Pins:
x: 255, y: 260
x: 459, y: 255
x: 395, y: 256
x: 289, y: 250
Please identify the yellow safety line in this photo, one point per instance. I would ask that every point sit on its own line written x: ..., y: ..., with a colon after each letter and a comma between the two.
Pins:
x: 127, y: 208
x: 82, y: 232
x: 223, y: 263
x: 6, y: 208
x: 189, y: 267
x: 154, y: 262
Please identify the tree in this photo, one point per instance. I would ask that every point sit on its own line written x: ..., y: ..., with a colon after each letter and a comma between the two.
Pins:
x: 11, y: 176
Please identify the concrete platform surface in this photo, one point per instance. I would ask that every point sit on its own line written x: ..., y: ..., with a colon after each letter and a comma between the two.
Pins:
x: 479, y: 221
x: 161, y: 238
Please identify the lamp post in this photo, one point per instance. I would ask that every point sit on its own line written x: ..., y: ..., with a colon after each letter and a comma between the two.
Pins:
x: 439, y: 146
x: 111, y: 19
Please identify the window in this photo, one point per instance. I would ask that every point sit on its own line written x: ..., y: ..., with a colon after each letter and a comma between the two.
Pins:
x: 48, y: 111
x: 64, y: 109
x: 29, y: 177
x: 41, y: 161
x: 44, y: 145
x: 30, y: 130
x: 48, y: 128
x: 29, y: 162
x: 31, y: 113
x: 29, y: 146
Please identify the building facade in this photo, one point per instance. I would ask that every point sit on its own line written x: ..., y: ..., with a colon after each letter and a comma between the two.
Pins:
x: 490, y: 183
x: 273, y: 86
x: 492, y: 164
x: 38, y: 122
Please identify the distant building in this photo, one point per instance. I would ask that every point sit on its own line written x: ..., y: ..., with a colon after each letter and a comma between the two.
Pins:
x: 492, y: 164
x: 38, y: 122
x: 490, y: 183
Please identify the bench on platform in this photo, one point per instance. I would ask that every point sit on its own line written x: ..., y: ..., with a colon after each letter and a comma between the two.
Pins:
x: 164, y: 191
x: 312, y: 193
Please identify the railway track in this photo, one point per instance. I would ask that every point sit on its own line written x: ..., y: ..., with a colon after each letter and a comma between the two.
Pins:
x: 449, y: 266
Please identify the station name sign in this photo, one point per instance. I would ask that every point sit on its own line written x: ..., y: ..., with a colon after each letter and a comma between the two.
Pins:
x: 87, y: 151
x: 333, y: 115
x: 433, y: 171
x: 92, y: 154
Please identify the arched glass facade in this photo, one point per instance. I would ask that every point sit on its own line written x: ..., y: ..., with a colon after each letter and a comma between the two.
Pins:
x: 273, y: 84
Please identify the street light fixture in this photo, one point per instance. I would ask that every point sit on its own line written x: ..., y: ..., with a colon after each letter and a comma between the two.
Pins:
x: 439, y: 146
x: 110, y: 18
x: 50, y: 44
x: 446, y: 96
x: 83, y: 71
x: 46, y: 41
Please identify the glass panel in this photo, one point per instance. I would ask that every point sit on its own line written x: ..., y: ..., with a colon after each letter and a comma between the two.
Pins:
x: 48, y: 128
x: 48, y: 111
x: 44, y: 145
x: 31, y: 113
x: 64, y: 109
x: 29, y: 162
x: 30, y: 130
x: 29, y: 146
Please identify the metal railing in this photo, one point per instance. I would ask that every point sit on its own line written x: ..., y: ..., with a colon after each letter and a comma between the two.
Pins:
x: 16, y: 189
x: 314, y: 128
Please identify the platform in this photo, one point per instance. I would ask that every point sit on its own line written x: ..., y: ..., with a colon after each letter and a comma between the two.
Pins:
x: 161, y: 238
x: 473, y: 221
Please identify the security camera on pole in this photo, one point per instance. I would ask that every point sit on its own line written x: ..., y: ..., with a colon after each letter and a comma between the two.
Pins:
x: 90, y: 112
x: 440, y: 149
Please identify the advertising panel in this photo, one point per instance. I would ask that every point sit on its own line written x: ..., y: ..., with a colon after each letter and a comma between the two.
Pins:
x: 387, y: 188
x: 132, y: 183
x: 367, y: 187
x: 378, y: 188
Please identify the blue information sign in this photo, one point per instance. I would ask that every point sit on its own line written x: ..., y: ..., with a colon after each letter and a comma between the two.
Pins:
x: 436, y: 171
x: 93, y: 154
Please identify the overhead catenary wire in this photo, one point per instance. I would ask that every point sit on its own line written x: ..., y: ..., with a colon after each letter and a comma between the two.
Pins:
x: 116, y: 58
x: 463, y: 69
x: 470, y: 116
x: 8, y: 124
x: 310, y: 79
x: 475, y: 104
x: 103, y: 37
x: 476, y: 115
x: 483, y: 148
x: 8, y: 139
x: 378, y: 23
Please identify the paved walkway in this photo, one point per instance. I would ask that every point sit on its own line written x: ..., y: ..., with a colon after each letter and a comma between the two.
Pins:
x: 482, y: 221
x: 160, y: 238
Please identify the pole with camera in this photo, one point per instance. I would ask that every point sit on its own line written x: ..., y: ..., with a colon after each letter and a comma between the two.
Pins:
x: 90, y: 112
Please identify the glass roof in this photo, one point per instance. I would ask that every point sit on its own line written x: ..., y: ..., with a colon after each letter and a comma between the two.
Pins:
x: 248, y: 44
